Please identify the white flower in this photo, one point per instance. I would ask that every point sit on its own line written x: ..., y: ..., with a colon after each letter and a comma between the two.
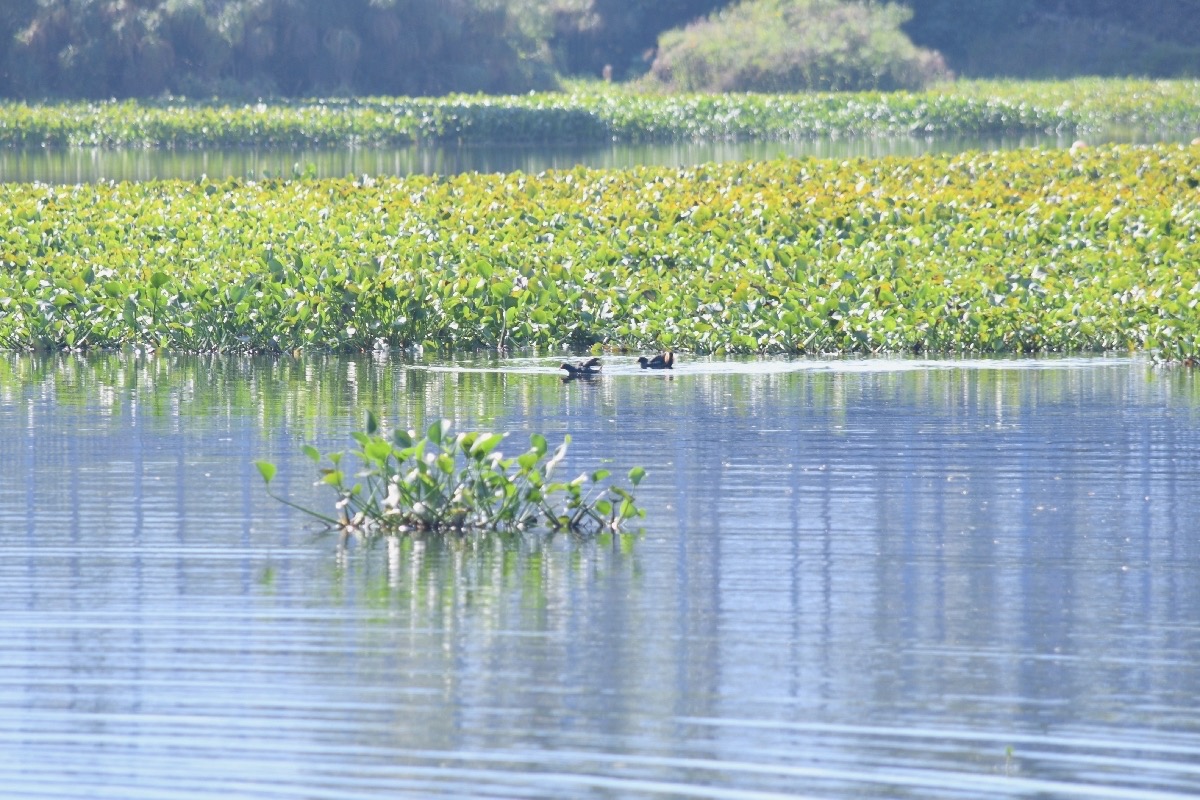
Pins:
x: 559, y: 454
x: 392, y: 501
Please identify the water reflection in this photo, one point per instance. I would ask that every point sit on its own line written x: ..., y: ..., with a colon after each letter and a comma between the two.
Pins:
x: 871, y: 578
x: 78, y: 165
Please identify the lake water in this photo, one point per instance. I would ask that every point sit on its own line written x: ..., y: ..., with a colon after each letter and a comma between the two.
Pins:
x: 860, y: 578
x: 80, y: 165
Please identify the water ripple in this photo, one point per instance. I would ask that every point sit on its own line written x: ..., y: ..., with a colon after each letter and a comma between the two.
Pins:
x: 869, y: 578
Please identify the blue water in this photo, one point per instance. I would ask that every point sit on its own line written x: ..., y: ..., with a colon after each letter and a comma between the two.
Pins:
x: 879, y: 578
x: 83, y: 165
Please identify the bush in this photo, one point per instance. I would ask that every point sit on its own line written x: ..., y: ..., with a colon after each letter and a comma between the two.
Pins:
x: 99, y: 49
x: 796, y: 45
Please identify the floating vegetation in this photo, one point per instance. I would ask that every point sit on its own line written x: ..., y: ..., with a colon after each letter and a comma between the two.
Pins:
x: 1096, y: 249
x: 601, y: 113
x: 456, y: 483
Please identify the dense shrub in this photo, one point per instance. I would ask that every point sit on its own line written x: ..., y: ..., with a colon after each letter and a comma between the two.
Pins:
x: 796, y: 45
x: 101, y: 49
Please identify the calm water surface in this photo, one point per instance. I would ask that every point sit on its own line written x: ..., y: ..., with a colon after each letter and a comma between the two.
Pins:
x: 79, y: 165
x: 857, y: 579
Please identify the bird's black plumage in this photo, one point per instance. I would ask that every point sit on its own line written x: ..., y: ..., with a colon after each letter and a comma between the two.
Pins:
x: 661, y: 361
x: 584, y: 369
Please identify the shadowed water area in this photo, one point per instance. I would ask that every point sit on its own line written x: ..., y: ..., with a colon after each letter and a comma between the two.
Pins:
x: 874, y: 578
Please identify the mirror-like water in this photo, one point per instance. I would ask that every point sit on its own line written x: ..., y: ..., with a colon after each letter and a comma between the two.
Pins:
x: 87, y: 166
x: 857, y: 579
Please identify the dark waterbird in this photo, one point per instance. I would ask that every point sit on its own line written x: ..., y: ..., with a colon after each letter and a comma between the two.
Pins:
x: 661, y: 361
x: 584, y: 369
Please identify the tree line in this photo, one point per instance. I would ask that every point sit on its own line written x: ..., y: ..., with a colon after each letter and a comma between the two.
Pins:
x: 293, y: 48
x: 1061, y: 38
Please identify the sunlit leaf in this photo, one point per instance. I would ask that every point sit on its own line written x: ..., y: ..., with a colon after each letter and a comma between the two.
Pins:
x: 266, y: 469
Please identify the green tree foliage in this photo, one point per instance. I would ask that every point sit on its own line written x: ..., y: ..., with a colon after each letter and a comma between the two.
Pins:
x: 138, y: 48
x: 1028, y: 38
x: 590, y: 35
x: 250, y: 48
x: 796, y: 45
x: 952, y: 26
x: 14, y: 16
x: 91, y: 48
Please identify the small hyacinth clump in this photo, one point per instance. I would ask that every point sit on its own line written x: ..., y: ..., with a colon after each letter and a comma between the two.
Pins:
x: 462, y: 482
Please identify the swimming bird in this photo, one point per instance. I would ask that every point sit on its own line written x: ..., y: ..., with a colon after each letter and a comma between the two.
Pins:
x: 661, y: 361
x: 584, y: 369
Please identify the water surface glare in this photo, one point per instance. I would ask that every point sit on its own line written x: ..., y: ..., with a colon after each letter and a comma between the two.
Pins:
x: 858, y: 578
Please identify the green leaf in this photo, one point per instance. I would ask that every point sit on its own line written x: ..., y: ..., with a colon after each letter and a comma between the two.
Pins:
x: 438, y: 430
x: 487, y: 445
x: 372, y: 423
x: 266, y: 469
x: 378, y: 450
x: 636, y: 474
x: 628, y: 509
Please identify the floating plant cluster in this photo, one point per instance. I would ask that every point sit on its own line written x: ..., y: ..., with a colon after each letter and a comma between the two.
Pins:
x: 1026, y: 251
x: 446, y: 482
